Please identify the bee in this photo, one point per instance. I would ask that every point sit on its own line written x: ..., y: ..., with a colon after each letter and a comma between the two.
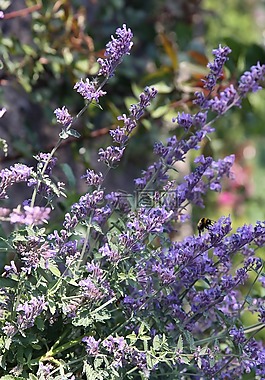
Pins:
x: 204, y: 223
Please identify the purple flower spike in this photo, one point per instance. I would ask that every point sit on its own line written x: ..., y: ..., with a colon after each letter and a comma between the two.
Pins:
x: 249, y: 81
x: 115, y: 50
x: 216, y: 67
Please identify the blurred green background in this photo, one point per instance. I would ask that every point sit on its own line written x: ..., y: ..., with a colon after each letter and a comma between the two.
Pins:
x: 46, y: 46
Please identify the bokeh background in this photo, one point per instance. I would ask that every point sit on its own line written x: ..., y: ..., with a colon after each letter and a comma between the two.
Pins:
x: 46, y: 46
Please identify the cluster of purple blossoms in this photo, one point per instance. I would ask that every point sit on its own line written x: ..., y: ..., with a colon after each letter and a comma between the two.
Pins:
x: 174, y: 150
x: 116, y: 49
x: 87, y: 203
x: 63, y: 116
x: 89, y: 90
x: 92, y: 345
x: 227, y: 98
x: 216, y: 67
x: 118, y: 347
x: 28, y: 312
x: 15, y: 174
x: 231, y: 96
x: 111, y: 254
x: 90, y: 290
x: 31, y: 252
x: 249, y: 81
x: 30, y: 215
x: 93, y: 179
x: 111, y: 155
x: 120, y: 135
x: 45, y: 159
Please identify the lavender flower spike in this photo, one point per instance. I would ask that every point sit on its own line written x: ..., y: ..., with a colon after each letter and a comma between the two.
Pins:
x: 216, y: 67
x: 249, y: 81
x: 115, y: 50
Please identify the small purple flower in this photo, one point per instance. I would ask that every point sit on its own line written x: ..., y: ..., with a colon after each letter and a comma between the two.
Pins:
x: 129, y: 125
x: 15, y: 174
x: 119, y: 135
x: 201, y: 100
x: 89, y: 290
x: 92, y: 178
x: 18, y: 173
x: 111, y: 155
x: 119, y: 200
x: 92, y: 345
x: 184, y: 120
x: 95, y: 270
x: 32, y: 251
x: 30, y: 215
x: 218, y: 170
x: 10, y: 269
x: 166, y: 275
x: 115, y: 51
x: 231, y: 303
x: 102, y: 214
x: 9, y: 329
x: 44, y: 370
x: 238, y: 335
x: 199, y: 120
x: 63, y: 116
x: 112, y: 255
x: 83, y: 208
x: 28, y: 312
x: 89, y: 90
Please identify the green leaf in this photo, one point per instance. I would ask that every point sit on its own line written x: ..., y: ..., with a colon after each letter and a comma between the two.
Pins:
x: 39, y: 323
x: 52, y: 306
x: 180, y: 344
x: 54, y: 269
x: 4, y: 146
x: 68, y: 171
x: 159, y: 111
x: 185, y: 360
x: 189, y: 339
x: 7, y: 283
x: 86, y: 317
x: 74, y: 133
x: 132, y: 337
x: 156, y: 343
x: 32, y: 377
